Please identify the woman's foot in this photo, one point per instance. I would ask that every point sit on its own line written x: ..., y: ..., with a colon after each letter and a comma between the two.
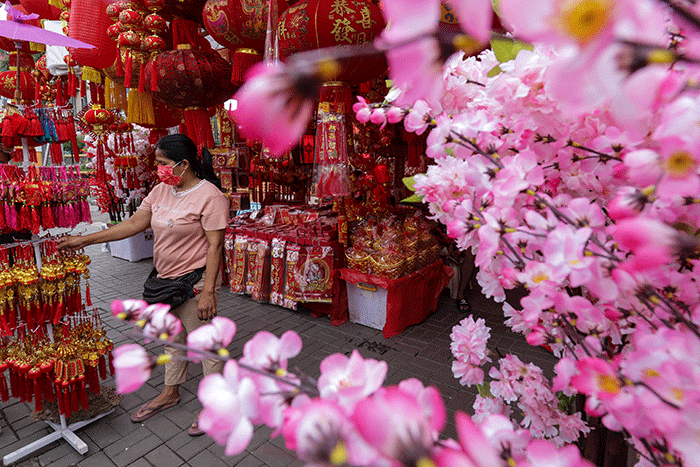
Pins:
x: 464, y: 305
x: 194, y: 429
x: 151, y: 408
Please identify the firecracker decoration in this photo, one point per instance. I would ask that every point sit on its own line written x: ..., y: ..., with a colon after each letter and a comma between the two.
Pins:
x: 331, y: 176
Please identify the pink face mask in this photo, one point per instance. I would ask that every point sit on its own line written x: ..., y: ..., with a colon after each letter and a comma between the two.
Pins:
x: 166, y: 175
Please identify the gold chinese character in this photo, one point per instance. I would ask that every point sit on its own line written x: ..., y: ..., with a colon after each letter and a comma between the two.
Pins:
x: 342, y: 30
x: 341, y: 8
x: 366, y: 21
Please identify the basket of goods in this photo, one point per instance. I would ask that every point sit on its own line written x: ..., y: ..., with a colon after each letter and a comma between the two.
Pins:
x: 358, y: 259
x: 389, y: 264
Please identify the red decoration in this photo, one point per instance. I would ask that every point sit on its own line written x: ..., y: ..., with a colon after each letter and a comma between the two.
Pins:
x: 155, y: 23
x: 315, y: 24
x: 41, y: 8
x: 131, y: 19
x: 88, y: 23
x: 238, y: 23
x: 8, y: 84
x: 191, y: 78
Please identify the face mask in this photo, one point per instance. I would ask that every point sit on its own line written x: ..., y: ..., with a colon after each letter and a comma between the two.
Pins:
x: 166, y: 175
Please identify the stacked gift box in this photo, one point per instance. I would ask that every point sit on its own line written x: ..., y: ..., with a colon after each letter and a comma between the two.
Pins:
x: 284, y: 254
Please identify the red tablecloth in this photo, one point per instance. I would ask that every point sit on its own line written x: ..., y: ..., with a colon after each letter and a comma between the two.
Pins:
x: 410, y: 299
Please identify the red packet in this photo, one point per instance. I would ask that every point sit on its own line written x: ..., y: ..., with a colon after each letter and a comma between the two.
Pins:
x: 239, y: 272
x: 277, y: 279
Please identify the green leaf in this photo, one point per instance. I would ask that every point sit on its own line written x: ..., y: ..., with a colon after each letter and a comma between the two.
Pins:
x: 409, y: 182
x: 507, y: 49
x: 484, y: 390
x: 414, y: 198
x: 494, y: 71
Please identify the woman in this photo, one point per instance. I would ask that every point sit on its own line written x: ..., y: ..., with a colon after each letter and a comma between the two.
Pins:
x: 188, y: 215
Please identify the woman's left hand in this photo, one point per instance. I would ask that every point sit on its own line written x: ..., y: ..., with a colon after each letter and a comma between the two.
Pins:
x: 206, y: 309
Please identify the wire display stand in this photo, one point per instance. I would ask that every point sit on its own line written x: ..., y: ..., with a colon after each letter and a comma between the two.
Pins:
x: 60, y: 430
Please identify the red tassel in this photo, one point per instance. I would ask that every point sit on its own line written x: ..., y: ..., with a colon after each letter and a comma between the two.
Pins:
x: 74, y: 400
x: 102, y: 367
x: 36, y: 223
x: 199, y: 128
x: 66, y: 400
x: 38, y: 404
x: 83, y: 91
x: 142, y: 77
x: 154, y: 76
x: 82, y: 392
x: 127, y: 70
x: 20, y: 387
x: 59, y: 398
x: 37, y: 91
x: 25, y: 218
x: 13, y: 383
x: 88, y: 298
x: 111, y: 364
x: 47, y: 217
x: 4, y: 392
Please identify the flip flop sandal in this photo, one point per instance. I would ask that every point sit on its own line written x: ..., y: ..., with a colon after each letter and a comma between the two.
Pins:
x: 194, y: 429
x: 464, y: 305
x: 147, y: 412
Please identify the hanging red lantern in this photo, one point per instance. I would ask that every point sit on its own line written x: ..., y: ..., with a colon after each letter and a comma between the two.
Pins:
x: 42, y: 8
x: 241, y: 26
x: 88, y: 23
x: 26, y: 62
x: 98, y: 118
x: 8, y: 84
x: 192, y: 77
x: 155, y: 23
x: 315, y: 24
x: 165, y: 116
x: 131, y: 19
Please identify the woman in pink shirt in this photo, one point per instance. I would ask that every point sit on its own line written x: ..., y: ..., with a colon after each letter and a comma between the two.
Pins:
x: 188, y: 214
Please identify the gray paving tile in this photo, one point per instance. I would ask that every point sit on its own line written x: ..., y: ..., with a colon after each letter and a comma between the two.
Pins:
x: 164, y: 456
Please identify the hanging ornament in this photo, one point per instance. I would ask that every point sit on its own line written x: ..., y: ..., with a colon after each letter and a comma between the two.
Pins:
x: 315, y: 24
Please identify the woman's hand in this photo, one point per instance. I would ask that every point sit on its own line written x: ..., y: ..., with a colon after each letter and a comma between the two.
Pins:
x: 71, y: 242
x: 206, y: 309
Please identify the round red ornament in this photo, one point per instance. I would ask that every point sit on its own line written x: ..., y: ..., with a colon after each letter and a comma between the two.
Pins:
x: 130, y: 19
x: 155, y: 23
x: 8, y: 84
x: 315, y: 24
x: 65, y: 15
x: 154, y: 5
x: 129, y: 39
x: 114, y: 30
x: 113, y: 11
x: 153, y: 44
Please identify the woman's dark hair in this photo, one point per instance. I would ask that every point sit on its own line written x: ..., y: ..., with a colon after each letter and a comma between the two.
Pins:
x: 179, y: 147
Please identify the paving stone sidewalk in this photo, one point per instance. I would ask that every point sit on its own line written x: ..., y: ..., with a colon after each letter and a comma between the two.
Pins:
x: 422, y: 351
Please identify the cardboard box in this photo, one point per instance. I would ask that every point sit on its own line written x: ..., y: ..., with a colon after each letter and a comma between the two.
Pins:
x: 367, y: 304
x: 134, y: 248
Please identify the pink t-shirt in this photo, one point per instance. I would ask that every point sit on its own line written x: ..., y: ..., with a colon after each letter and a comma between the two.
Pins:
x: 179, y: 220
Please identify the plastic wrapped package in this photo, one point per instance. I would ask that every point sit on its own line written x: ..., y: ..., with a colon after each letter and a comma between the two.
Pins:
x: 260, y: 270
x: 239, y: 270
x: 277, y: 270
x: 314, y: 274
x: 292, y: 287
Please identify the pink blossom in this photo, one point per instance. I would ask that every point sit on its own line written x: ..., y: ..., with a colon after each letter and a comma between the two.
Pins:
x: 378, y: 117
x: 540, y: 452
x: 362, y: 110
x: 229, y: 402
x: 350, y: 379
x: 132, y: 367
x: 407, y: 20
x: 485, y: 406
x: 161, y: 324
x: 476, y: 450
x: 212, y: 337
x: 128, y: 310
x: 475, y: 17
x: 415, y: 70
x: 596, y: 377
x: 319, y: 430
x: 650, y: 241
x: 279, y: 123
x: 267, y: 351
x: 397, y: 425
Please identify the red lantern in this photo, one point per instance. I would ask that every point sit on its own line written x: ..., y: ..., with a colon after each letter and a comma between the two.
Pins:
x: 98, y: 116
x: 153, y: 44
x: 89, y: 23
x: 114, y: 30
x: 315, y: 24
x: 191, y: 78
x: 42, y: 8
x: 8, y: 84
x: 26, y: 61
x: 129, y: 39
x: 238, y: 23
x: 155, y: 23
x: 130, y: 19
x: 154, y: 5
x: 165, y: 116
x: 113, y: 10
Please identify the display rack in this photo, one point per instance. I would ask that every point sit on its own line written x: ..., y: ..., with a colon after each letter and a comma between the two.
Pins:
x: 62, y: 429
